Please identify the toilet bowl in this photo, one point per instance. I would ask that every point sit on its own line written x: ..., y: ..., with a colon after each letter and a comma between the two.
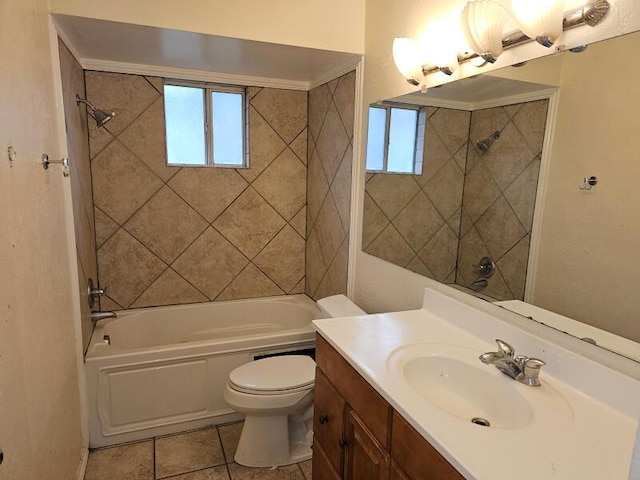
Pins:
x: 276, y: 396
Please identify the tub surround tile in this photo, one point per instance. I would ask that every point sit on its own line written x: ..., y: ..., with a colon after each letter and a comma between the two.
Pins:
x: 513, y: 267
x: 521, y: 194
x: 435, y: 155
x: 156, y: 82
x: 485, y: 122
x: 329, y: 229
x: 341, y: 189
x: 250, y: 283
x: 344, y: 97
x: 419, y: 221
x: 107, y: 304
x: 166, y: 225
x: 169, y: 289
x: 249, y: 223
x: 284, y: 110
x: 264, y: 146
x: 299, y: 288
x: 373, y: 223
x: 319, y: 100
x: 299, y: 222
x: 187, y: 452
x: 290, y: 472
x: 531, y: 121
x: 390, y: 246
x: 127, y: 268
x: 315, y: 265
x: 335, y: 279
x: 508, y: 156
x: 300, y: 146
x: 283, y: 259
x: 99, y: 138
x: 445, y: 189
x: 416, y: 265
x: 105, y: 227
x: 230, y: 436
x: 125, y: 95
x: 332, y: 142
x: 132, y: 462
x: 196, y: 185
x: 210, y: 263
x: 439, y: 255
x: 283, y: 184
x: 452, y: 126
x: 317, y: 187
x: 500, y: 228
x: 392, y: 193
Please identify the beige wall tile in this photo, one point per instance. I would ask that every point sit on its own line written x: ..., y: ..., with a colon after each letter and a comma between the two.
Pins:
x: 480, y: 191
x: 445, y: 189
x: 416, y: 265
x: 531, y: 121
x: 250, y: 283
x: 418, y: 221
x: 508, y: 156
x: 390, y: 246
x: 249, y: 223
x: 315, y: 264
x: 300, y: 146
x: 452, y: 126
x: 210, y: 263
x: 332, y: 143
x: 283, y: 259
x: 169, y: 289
x: 105, y: 227
x: 317, y: 187
x: 513, y: 267
x: 329, y: 229
x: 284, y: 110
x: 440, y: 254
x: 521, y: 194
x: 341, y: 188
x: 264, y: 146
x: 500, y: 228
x: 392, y: 193
x: 299, y: 222
x: 283, y: 184
x: 374, y: 221
x: 319, y: 101
x: 344, y: 98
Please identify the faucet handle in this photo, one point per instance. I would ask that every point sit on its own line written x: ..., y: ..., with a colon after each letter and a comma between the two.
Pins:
x: 504, y: 348
x: 530, y: 371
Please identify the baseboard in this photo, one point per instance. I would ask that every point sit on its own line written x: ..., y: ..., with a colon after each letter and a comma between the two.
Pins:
x: 82, y: 468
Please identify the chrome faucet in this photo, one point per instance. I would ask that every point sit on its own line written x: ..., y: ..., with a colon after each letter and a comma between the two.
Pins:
x: 97, y: 316
x: 521, y: 368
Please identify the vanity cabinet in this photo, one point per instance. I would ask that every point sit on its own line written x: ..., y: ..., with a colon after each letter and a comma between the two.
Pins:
x: 358, y: 435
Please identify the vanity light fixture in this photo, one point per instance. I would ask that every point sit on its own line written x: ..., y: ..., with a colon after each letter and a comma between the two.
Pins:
x: 539, y: 19
x: 482, y: 24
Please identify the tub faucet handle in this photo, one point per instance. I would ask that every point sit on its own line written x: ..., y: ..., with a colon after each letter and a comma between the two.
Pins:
x: 94, y: 293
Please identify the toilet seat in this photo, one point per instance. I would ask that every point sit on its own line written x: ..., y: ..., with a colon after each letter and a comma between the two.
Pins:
x: 274, y: 375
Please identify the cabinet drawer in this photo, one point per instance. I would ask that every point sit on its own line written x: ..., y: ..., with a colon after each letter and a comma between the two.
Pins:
x: 416, y: 457
x: 328, y: 422
x: 374, y: 411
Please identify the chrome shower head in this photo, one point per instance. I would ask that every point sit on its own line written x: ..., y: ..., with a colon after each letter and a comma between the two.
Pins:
x: 100, y: 116
x: 483, y: 145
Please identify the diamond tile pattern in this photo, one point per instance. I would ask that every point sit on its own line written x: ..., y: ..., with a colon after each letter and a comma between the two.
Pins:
x: 171, y: 235
x: 464, y: 205
x: 419, y: 206
x: 330, y: 154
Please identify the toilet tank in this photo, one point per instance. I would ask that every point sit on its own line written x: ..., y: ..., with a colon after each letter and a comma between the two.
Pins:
x: 339, y: 306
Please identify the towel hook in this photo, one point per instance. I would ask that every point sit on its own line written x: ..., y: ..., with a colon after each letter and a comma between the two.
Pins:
x: 589, y: 183
x: 64, y: 161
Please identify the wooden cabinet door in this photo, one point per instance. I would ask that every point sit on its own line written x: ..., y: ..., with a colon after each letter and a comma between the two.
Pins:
x: 328, y: 422
x: 364, y: 456
x: 321, y: 468
x: 396, y: 472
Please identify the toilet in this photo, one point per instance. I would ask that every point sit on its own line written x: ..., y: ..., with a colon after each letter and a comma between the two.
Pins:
x: 276, y: 396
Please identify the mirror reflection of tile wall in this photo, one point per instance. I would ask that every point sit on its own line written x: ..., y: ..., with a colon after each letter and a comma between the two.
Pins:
x: 465, y: 205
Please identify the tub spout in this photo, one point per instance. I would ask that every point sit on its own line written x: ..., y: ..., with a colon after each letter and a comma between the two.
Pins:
x: 97, y: 316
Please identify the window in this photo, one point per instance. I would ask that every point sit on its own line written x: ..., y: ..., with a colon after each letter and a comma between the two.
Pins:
x: 395, y: 139
x: 205, y: 125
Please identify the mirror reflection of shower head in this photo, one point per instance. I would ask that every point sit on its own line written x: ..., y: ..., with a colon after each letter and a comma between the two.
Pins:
x: 483, y: 145
x: 100, y: 116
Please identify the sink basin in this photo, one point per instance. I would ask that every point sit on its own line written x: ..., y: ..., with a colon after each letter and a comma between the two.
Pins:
x: 468, y: 392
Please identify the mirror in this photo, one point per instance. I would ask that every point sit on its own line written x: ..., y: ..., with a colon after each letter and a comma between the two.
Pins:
x: 501, y: 203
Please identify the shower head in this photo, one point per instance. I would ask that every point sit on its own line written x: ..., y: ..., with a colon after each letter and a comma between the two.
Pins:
x: 100, y: 116
x: 483, y: 145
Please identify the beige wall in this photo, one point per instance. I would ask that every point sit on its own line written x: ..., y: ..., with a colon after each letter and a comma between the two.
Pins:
x: 381, y: 286
x: 171, y: 235
x: 589, y: 240
x: 40, y: 432
x: 72, y: 77
x: 330, y: 150
x: 330, y: 25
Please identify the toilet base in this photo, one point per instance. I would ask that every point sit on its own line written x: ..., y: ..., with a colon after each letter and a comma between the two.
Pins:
x: 275, y: 440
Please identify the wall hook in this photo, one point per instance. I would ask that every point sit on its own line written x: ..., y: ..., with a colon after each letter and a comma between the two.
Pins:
x: 589, y: 183
x: 64, y: 161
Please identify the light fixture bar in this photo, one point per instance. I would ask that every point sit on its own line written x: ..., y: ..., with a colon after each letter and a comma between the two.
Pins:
x: 590, y: 14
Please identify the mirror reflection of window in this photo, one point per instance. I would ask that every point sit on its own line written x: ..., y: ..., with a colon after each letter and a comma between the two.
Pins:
x: 395, y: 139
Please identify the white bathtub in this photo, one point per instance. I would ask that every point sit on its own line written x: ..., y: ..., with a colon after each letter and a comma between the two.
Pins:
x: 165, y: 367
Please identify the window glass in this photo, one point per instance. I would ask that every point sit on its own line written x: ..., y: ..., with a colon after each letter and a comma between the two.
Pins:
x: 376, y: 138
x: 402, y: 140
x: 185, y: 121
x: 228, y: 131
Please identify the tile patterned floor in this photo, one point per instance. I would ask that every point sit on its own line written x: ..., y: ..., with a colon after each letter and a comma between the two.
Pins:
x: 205, y: 454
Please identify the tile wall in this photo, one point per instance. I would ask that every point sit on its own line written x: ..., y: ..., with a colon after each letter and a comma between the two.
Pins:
x: 75, y: 116
x: 171, y: 235
x: 330, y: 153
x: 499, y: 196
x: 414, y: 220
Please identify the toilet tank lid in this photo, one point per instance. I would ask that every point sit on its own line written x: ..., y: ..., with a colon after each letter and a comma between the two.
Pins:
x: 275, y: 373
x: 339, y: 306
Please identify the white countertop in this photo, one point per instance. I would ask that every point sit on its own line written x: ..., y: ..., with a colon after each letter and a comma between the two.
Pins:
x: 587, y: 437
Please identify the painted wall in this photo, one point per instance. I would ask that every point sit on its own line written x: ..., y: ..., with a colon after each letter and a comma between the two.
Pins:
x: 331, y: 25
x: 170, y: 235
x: 41, y: 433
x: 72, y: 77
x: 381, y: 286
x: 330, y: 150
x: 589, y: 244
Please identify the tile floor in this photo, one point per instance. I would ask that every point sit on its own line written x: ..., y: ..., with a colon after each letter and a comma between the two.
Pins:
x: 205, y: 454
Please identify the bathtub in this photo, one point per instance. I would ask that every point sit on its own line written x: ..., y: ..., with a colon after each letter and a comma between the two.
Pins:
x: 164, y: 368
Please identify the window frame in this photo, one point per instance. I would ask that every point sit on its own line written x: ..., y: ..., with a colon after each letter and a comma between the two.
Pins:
x: 416, y: 164
x: 207, y: 89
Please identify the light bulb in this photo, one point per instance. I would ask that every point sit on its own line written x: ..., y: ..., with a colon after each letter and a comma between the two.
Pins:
x: 482, y: 24
x: 407, y: 59
x: 539, y: 19
x: 439, y: 44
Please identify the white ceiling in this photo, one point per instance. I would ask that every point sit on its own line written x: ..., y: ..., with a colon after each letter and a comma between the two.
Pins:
x: 106, y: 45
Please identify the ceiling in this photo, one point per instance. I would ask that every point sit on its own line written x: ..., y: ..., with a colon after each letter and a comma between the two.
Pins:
x: 128, y: 48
